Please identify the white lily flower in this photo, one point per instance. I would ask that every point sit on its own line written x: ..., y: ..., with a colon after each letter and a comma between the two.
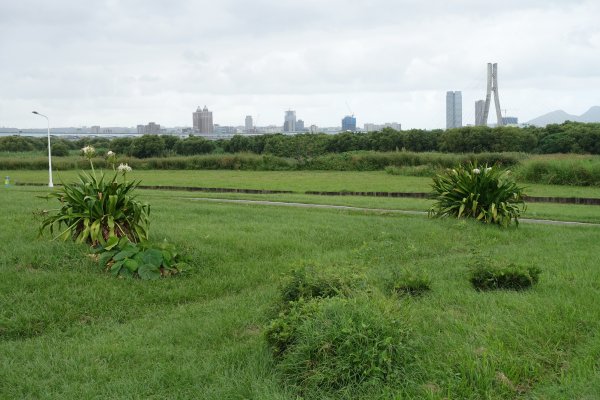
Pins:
x: 124, y: 168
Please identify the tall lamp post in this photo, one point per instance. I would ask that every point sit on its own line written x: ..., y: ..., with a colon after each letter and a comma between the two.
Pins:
x: 50, y: 184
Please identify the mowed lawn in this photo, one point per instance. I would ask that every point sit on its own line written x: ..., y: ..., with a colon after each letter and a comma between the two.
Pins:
x: 69, y: 330
x: 295, y: 181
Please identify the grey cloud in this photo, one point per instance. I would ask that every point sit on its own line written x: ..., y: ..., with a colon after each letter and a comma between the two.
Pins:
x: 159, y: 57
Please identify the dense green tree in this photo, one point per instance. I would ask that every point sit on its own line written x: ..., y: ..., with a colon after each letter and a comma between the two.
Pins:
x: 148, y: 146
x: 194, y: 145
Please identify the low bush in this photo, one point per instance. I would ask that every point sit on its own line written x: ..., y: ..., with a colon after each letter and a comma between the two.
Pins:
x: 488, y: 194
x: 409, y: 283
x: 488, y: 275
x: 338, y: 344
x: 149, y: 262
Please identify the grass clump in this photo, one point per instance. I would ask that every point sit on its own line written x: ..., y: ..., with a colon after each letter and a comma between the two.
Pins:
x: 488, y: 275
x: 488, y: 194
x: 410, y: 283
x: 339, y: 344
x: 308, y: 283
x: 331, y: 337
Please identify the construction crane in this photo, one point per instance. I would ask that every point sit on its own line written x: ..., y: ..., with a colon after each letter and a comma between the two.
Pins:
x: 349, y: 109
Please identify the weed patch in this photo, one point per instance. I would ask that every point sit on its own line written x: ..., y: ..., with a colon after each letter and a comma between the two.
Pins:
x: 489, y: 275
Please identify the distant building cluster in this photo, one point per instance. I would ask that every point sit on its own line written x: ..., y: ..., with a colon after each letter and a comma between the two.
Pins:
x: 151, y: 129
x: 202, y: 124
x: 370, y: 127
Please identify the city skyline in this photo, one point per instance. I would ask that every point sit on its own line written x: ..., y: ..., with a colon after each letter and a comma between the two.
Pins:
x: 114, y: 71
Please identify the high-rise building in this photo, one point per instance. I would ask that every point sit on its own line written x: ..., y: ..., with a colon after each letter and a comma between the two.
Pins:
x: 300, y: 125
x: 248, y: 124
x: 203, y: 121
x: 289, y: 122
x: 95, y: 129
x: 479, y: 111
x: 453, y: 110
x: 349, y: 123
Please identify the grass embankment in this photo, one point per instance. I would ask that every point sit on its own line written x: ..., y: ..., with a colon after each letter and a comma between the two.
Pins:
x: 70, y: 330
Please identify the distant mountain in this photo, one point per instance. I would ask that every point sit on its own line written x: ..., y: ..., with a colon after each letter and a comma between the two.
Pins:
x: 591, y: 115
x: 560, y: 116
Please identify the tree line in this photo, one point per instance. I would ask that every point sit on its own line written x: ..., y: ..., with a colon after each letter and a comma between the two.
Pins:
x: 569, y: 137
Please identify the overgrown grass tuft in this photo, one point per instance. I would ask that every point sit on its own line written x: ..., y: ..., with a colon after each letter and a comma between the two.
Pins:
x: 412, y: 283
x: 342, y: 345
x: 486, y: 274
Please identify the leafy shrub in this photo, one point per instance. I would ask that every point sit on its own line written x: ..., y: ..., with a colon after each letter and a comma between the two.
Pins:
x: 488, y: 275
x: 94, y: 210
x: 339, y: 343
x: 410, y: 283
x: 125, y: 259
x: 486, y: 194
x: 59, y: 149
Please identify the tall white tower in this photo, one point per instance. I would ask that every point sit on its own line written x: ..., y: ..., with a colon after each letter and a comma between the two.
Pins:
x: 492, y: 86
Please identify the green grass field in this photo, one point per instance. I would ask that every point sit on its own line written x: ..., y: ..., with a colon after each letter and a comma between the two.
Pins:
x: 69, y: 330
x: 296, y: 181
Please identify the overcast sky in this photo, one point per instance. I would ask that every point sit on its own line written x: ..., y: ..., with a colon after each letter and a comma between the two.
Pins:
x: 123, y: 63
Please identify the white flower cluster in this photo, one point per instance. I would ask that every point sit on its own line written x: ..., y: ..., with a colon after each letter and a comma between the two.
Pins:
x: 488, y: 169
x: 476, y: 171
x: 110, y: 154
x: 88, y: 151
x: 124, y: 168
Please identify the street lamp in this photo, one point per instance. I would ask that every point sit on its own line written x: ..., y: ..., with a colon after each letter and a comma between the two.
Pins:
x: 50, y: 184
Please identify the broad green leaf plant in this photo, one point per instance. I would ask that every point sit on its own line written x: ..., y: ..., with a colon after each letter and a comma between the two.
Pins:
x: 128, y: 260
x: 488, y: 194
x: 98, y: 209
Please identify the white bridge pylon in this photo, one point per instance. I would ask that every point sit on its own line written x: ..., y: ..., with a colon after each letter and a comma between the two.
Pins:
x: 492, y: 86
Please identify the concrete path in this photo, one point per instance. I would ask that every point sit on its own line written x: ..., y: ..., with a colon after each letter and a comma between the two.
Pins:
x: 377, y: 210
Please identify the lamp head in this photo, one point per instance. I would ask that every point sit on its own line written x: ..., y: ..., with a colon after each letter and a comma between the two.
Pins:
x: 35, y: 112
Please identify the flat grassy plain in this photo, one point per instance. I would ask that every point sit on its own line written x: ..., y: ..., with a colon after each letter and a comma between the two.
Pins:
x: 296, y: 181
x: 301, y: 181
x: 69, y: 330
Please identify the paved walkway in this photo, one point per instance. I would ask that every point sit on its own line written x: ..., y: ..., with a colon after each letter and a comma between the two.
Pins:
x: 377, y: 210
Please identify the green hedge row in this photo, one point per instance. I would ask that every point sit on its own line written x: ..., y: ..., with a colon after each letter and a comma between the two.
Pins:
x: 356, y: 161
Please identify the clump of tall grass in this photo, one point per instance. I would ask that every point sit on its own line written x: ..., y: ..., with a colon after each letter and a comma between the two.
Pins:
x: 575, y: 171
